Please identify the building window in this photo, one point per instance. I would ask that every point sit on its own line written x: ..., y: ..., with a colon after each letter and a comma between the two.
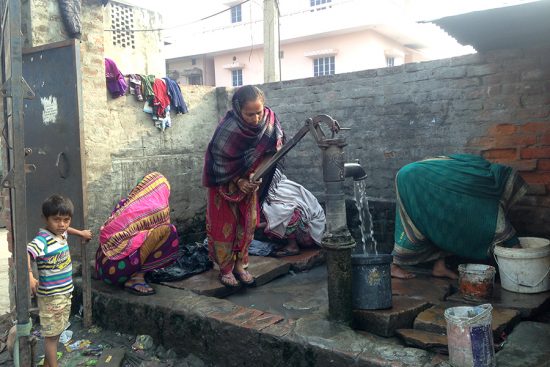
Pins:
x: 237, y: 77
x: 195, y: 79
x: 319, y: 4
x: 193, y: 61
x: 122, y: 21
x: 390, y: 61
x: 236, y: 14
x: 323, y: 66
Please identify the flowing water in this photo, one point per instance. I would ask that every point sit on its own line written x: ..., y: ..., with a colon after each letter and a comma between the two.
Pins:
x: 365, y: 218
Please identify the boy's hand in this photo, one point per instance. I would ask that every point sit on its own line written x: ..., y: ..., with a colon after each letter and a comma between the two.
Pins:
x: 33, y: 283
x: 86, y: 234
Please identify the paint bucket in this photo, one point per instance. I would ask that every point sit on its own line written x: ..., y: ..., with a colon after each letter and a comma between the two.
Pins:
x: 470, y: 336
x: 475, y: 281
x: 371, y: 281
x: 525, y: 269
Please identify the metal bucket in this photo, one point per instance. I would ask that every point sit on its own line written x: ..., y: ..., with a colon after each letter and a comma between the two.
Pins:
x: 371, y: 281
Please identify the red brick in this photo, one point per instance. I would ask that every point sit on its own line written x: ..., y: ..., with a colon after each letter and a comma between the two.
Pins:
x: 536, y: 152
x: 486, y: 142
x: 536, y: 177
x: 535, y: 127
x: 545, y: 139
x: 503, y: 129
x: 509, y: 141
x: 510, y: 154
x: 544, y: 165
x: 519, y: 165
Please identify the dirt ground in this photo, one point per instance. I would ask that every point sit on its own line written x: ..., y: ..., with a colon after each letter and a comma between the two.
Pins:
x: 137, y: 354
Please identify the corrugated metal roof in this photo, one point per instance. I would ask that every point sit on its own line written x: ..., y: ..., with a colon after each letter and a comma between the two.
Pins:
x: 515, y: 26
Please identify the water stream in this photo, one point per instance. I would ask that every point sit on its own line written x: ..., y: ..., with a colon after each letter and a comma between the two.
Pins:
x: 369, y: 244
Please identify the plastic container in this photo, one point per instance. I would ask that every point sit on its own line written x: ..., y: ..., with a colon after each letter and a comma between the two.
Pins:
x: 526, y: 269
x: 476, y: 281
x: 371, y: 281
x: 470, y: 336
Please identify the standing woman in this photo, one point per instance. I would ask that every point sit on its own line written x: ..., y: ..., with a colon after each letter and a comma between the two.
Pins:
x: 247, y: 135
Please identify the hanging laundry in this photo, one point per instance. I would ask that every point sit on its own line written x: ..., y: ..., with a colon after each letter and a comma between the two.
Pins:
x: 135, y: 86
x: 163, y: 122
x: 176, y: 98
x: 115, y: 80
x: 147, y: 85
x: 161, y: 99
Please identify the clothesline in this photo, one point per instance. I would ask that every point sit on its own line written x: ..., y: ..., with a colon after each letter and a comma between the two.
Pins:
x: 160, y: 95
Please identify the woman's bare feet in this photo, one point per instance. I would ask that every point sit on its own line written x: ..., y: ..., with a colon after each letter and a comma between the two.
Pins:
x: 290, y: 249
x: 400, y: 273
x: 440, y: 270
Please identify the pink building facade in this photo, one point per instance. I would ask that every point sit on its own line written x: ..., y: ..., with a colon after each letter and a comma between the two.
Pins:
x: 317, y: 37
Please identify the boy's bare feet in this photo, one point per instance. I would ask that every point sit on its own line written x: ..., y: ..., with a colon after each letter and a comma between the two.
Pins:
x: 441, y: 271
x: 400, y: 273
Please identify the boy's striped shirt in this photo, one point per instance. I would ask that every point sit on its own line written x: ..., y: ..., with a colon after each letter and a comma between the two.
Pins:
x: 52, y: 256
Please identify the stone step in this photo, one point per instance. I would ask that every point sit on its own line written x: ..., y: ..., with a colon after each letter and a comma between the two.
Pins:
x: 433, y: 320
x: 425, y: 287
x: 529, y: 305
x: 305, y: 260
x: 527, y: 346
x: 264, y: 269
x: 424, y: 339
x: 385, y: 322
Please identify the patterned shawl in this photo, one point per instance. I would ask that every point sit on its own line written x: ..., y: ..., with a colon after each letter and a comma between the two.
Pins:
x: 236, y: 146
x: 128, y: 226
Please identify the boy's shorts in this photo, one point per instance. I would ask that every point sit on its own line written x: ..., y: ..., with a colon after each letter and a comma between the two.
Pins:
x: 54, y: 313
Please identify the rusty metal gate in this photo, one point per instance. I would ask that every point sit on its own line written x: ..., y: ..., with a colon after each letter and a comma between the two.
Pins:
x: 53, y: 128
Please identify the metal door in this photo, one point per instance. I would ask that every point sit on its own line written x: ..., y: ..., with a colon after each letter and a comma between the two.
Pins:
x: 53, y: 129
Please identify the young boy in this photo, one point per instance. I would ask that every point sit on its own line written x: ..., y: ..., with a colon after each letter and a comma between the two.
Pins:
x: 54, y: 286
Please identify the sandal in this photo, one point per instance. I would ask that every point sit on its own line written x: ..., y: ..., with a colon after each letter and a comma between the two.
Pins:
x: 245, y: 277
x: 132, y: 288
x: 228, y: 280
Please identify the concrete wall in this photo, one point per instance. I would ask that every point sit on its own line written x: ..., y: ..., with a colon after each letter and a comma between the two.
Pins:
x: 145, y: 55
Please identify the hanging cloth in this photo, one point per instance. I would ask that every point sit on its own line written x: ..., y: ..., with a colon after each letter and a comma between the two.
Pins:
x: 176, y: 98
x: 115, y: 80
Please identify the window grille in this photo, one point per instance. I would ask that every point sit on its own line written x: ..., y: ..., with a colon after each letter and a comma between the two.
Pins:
x: 237, y: 77
x: 324, y: 66
x: 236, y: 16
x: 122, y: 20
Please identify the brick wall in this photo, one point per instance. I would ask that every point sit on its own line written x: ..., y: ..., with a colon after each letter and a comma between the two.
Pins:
x: 495, y: 103
x: 526, y: 147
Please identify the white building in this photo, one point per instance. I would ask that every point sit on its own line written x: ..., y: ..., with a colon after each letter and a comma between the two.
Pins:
x: 317, y: 37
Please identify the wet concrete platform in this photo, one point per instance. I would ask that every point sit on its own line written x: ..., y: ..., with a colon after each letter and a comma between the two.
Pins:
x: 283, y: 321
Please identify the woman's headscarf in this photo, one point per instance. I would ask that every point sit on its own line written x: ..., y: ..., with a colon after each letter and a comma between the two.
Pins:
x: 236, y: 145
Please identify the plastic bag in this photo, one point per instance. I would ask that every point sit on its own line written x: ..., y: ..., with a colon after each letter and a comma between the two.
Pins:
x: 192, y: 259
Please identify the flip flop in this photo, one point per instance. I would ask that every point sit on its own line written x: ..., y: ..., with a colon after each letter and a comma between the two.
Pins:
x: 133, y: 289
x: 286, y: 252
x: 245, y: 277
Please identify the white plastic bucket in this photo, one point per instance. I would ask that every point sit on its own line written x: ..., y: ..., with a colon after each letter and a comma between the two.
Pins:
x: 470, y: 336
x: 526, y: 269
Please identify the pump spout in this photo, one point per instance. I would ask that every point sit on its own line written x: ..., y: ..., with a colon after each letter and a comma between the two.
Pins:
x: 354, y: 170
